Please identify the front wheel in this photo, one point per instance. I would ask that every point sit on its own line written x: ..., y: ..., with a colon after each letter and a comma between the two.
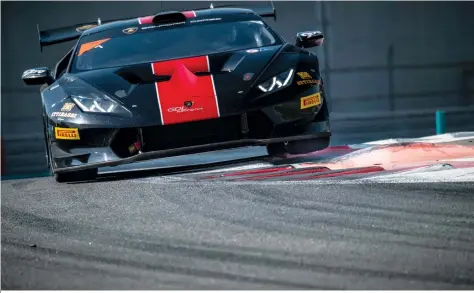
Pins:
x: 277, y: 149
x: 85, y: 175
x: 308, y: 145
x: 76, y: 176
x: 298, y: 147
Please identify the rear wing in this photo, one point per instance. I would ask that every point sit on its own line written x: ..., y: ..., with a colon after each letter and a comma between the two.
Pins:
x: 69, y: 33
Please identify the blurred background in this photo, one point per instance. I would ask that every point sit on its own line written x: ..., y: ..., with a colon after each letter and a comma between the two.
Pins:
x: 387, y: 66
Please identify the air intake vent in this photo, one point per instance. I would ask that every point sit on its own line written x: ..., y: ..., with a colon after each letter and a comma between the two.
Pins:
x: 168, y: 17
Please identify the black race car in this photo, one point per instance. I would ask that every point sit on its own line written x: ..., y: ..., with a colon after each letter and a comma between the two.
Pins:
x: 178, y: 83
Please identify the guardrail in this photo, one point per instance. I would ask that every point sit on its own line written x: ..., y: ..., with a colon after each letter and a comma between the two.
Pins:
x: 360, y: 127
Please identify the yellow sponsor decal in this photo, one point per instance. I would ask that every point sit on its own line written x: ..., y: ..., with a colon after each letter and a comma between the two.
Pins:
x: 308, y: 81
x: 67, y: 133
x: 67, y: 107
x: 304, y: 75
x: 311, y: 101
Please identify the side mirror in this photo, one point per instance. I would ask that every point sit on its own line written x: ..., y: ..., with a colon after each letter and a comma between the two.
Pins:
x: 37, y: 76
x: 309, y: 39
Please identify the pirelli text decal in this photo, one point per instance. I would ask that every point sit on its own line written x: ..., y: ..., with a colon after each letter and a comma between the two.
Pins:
x: 311, y: 101
x: 66, y: 133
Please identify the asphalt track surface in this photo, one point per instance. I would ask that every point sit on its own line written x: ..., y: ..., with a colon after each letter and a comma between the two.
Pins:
x: 166, y: 233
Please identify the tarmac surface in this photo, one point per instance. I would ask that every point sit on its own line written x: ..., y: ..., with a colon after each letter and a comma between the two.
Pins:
x: 171, y: 233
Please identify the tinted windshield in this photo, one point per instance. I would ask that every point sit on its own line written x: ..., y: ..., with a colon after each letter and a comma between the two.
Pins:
x: 151, y: 43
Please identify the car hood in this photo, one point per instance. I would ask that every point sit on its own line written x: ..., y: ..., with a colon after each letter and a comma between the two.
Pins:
x: 203, y: 86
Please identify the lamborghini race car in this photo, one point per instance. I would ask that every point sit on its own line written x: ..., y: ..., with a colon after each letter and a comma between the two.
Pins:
x: 175, y: 83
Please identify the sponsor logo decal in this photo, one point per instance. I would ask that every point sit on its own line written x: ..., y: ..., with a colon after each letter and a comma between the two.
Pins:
x: 135, y: 147
x: 304, y: 75
x: 184, y: 109
x: 311, y: 101
x: 64, y: 114
x: 248, y: 76
x: 67, y: 133
x: 91, y: 45
x: 162, y: 25
x: 33, y: 71
x: 67, y: 107
x: 308, y: 81
x: 85, y: 27
x: 130, y: 30
x: 205, y: 20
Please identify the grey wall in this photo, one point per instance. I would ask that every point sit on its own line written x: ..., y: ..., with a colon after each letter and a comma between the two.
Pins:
x: 379, y: 58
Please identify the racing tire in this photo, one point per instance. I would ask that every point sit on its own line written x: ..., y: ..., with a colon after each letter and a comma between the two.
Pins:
x: 306, y: 146
x: 76, y: 176
x: 46, y: 146
x: 277, y: 149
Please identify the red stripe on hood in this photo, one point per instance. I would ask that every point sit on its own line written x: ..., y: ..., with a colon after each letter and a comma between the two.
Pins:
x: 184, y: 86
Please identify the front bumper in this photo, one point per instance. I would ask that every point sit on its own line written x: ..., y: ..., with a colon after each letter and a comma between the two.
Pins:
x: 189, y: 150
x: 107, y: 147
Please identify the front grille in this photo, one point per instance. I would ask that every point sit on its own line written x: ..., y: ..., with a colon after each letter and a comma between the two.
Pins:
x: 260, y: 126
x: 191, y: 133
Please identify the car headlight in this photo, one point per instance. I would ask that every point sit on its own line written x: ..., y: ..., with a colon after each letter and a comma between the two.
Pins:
x: 98, y: 103
x: 277, y: 82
